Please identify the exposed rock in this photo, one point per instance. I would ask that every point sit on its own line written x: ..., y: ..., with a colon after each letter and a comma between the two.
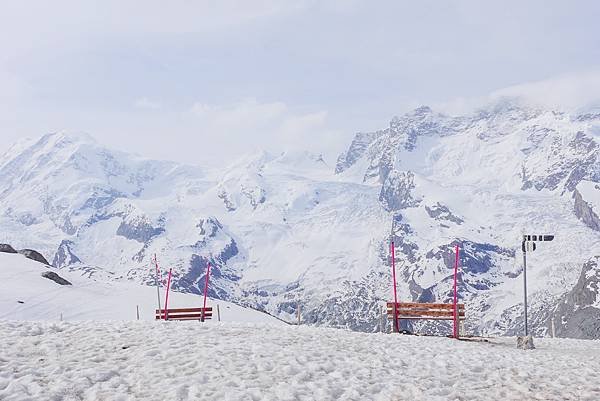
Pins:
x: 229, y: 205
x: 209, y: 227
x: 6, y: 248
x: 55, y: 277
x: 475, y: 258
x: 577, y: 314
x: 67, y: 227
x: 396, y: 191
x: 34, y: 255
x: 102, y: 198
x: 585, y: 212
x: 256, y: 195
x: 28, y: 219
x: 64, y: 255
x: 357, y: 148
x: 441, y: 212
x: 139, y: 229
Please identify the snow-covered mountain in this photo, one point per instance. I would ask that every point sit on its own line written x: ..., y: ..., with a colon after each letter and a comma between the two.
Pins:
x: 289, y: 229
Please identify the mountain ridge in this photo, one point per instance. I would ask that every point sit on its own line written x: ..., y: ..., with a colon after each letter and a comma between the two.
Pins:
x: 289, y: 229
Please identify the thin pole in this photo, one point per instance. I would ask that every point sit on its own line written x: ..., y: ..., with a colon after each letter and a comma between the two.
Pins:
x: 396, y: 330
x: 205, y: 289
x: 157, y: 288
x: 167, y: 295
x: 456, y: 317
x: 218, y: 313
x: 298, y: 312
x: 525, y: 284
x: 137, y: 312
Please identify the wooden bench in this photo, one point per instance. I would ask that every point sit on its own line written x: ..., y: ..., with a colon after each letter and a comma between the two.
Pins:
x: 415, y: 310
x: 184, y: 314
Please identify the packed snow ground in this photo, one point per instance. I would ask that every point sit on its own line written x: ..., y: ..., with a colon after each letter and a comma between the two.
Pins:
x: 237, y: 361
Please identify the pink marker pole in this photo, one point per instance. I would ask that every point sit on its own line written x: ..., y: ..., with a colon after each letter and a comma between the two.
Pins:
x: 167, y: 296
x: 456, y: 317
x: 205, y: 289
x: 396, y: 329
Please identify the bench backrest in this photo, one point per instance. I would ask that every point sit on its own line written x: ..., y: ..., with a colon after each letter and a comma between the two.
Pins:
x: 415, y: 310
x: 184, y: 314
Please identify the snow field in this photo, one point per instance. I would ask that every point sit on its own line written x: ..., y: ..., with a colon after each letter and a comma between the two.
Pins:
x: 237, y: 361
x: 89, y: 299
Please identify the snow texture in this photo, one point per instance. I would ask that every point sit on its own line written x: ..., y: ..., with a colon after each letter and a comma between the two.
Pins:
x: 233, y: 361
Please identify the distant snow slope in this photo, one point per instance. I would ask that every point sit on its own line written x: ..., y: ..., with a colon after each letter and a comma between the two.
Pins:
x: 294, y: 229
x: 89, y: 299
x: 187, y: 361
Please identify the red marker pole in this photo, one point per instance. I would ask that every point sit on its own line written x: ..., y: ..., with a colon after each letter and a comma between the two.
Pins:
x: 167, y: 296
x: 456, y: 317
x: 205, y: 289
x: 396, y: 330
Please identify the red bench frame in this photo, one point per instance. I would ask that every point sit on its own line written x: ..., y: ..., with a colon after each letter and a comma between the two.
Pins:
x: 201, y: 314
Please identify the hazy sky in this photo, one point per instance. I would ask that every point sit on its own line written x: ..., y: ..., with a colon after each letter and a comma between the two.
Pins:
x: 205, y: 81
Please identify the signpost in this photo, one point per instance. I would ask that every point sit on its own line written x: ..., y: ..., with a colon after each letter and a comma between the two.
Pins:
x: 528, y: 245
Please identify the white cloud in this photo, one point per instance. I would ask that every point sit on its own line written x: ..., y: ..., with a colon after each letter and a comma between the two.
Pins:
x: 146, y: 104
x: 567, y: 92
x: 249, y: 124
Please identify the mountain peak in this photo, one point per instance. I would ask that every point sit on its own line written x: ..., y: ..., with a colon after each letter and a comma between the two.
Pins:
x: 65, y: 138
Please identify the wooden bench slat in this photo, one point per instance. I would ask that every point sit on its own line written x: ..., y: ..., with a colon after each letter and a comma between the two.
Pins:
x: 418, y: 305
x: 425, y: 318
x: 422, y: 313
x: 425, y: 313
x: 207, y: 315
x: 422, y: 310
x: 208, y: 309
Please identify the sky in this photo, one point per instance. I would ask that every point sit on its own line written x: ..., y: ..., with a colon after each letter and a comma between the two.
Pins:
x: 204, y: 82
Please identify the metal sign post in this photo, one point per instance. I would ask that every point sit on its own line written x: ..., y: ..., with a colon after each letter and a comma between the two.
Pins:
x: 528, y: 245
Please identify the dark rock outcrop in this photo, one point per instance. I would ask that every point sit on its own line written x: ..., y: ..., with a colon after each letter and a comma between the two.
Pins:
x: 34, y: 255
x: 55, y: 277
x: 6, y: 248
